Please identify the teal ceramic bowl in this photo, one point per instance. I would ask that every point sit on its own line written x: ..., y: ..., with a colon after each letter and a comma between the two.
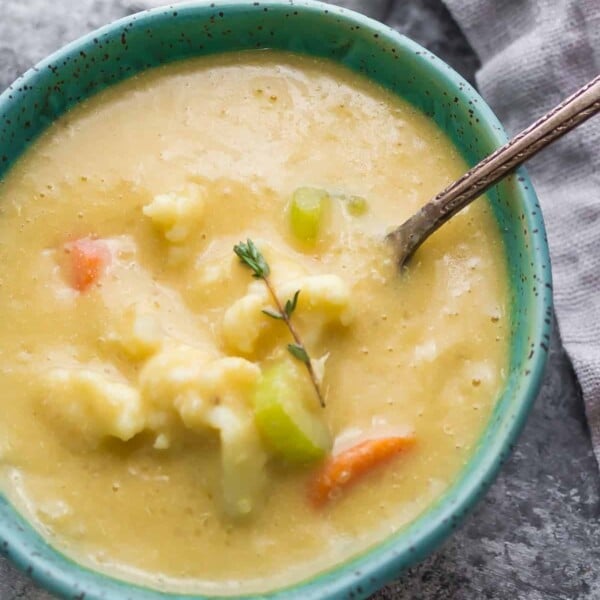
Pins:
x: 168, y: 34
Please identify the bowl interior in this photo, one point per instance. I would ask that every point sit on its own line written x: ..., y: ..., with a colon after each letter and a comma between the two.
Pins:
x: 172, y: 33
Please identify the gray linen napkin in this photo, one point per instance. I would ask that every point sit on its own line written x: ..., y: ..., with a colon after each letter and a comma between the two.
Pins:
x: 534, y: 53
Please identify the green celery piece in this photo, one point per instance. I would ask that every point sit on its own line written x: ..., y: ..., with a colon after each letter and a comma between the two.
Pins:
x: 289, y: 429
x: 307, y: 213
x: 356, y: 205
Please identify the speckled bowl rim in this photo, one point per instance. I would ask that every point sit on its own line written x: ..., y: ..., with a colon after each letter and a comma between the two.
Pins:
x: 372, y: 568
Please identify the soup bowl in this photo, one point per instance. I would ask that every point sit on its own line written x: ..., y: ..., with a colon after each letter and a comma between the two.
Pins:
x: 168, y: 34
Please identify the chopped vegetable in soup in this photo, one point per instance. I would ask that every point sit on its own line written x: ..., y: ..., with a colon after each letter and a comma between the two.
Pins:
x: 212, y: 376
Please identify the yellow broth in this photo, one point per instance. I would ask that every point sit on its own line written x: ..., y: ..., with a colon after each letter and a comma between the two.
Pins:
x: 424, y: 352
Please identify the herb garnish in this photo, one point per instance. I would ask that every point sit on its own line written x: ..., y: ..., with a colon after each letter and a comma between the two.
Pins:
x: 251, y: 256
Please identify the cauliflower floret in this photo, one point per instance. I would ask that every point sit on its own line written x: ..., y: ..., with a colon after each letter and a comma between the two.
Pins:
x: 169, y: 377
x: 323, y: 299
x: 169, y: 374
x: 210, y: 394
x: 226, y: 381
x: 327, y: 294
x: 94, y: 403
x: 243, y: 322
x: 186, y: 382
x: 140, y: 333
x: 177, y: 213
x: 283, y: 266
x: 230, y: 372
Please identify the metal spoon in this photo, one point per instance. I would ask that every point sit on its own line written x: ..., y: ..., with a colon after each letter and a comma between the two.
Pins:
x: 570, y: 113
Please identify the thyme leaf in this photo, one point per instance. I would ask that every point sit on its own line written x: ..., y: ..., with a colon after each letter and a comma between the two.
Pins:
x: 299, y: 352
x: 273, y: 314
x: 290, y: 305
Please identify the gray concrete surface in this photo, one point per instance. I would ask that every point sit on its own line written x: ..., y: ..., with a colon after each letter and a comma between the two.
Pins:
x: 536, y: 535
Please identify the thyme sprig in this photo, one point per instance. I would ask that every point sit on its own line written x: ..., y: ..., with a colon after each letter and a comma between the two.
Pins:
x: 251, y: 257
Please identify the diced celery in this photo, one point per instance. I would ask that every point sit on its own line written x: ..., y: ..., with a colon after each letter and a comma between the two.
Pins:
x: 307, y: 212
x: 243, y: 461
x: 356, y: 205
x: 289, y: 428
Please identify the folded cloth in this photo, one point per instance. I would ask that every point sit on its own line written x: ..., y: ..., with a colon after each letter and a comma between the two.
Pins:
x: 534, y: 53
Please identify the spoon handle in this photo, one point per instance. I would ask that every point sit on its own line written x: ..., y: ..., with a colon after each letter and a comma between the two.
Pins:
x: 570, y: 113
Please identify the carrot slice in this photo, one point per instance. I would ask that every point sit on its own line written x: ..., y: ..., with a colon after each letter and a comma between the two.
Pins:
x: 88, y: 258
x: 347, y: 467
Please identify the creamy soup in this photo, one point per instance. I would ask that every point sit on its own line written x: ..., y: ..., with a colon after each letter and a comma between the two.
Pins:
x: 156, y: 425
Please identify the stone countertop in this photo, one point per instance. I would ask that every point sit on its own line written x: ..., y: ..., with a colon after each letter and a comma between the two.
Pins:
x: 536, y: 534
